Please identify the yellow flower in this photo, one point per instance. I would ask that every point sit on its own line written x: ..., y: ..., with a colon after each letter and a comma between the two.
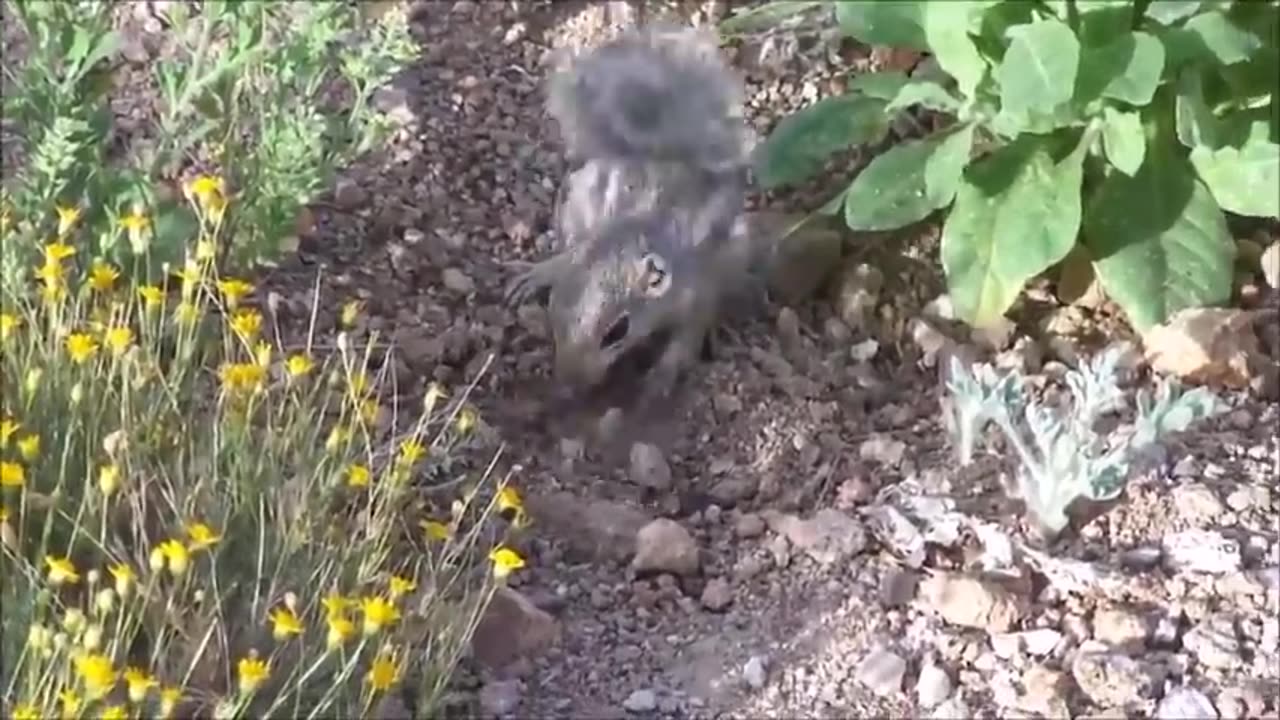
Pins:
x: 81, y: 347
x: 186, y: 313
x: 233, y: 290
x: 8, y: 427
x: 252, y: 672
x: 247, y: 324
x: 26, y: 711
x: 298, y: 365
x: 338, y: 438
x: 102, y: 276
x: 97, y: 673
x: 357, y: 384
x: 139, y: 683
x: 169, y: 698
x: 350, y: 311
x: 12, y: 475
x: 401, y: 586
x: 509, y: 499
x: 369, y: 411
x: 8, y: 323
x: 67, y: 217
x: 29, y: 447
x: 206, y: 250
x: 172, y: 554
x: 383, y: 673
x: 189, y: 278
x: 56, y: 252
x: 435, y: 530
x: 340, y: 631
x: 202, y: 536
x: 335, y: 604
x: 262, y: 353
x: 61, y: 570
x: 242, y: 377
x: 410, y: 452
x: 466, y: 420
x: 134, y: 220
x: 378, y: 613
x: 284, y: 622
x: 108, y: 479
x: 118, y: 339
x: 152, y: 296
x: 114, y: 712
x: 357, y: 476
x: 505, y: 561
x: 124, y: 577
x: 209, y: 193
x: 71, y: 703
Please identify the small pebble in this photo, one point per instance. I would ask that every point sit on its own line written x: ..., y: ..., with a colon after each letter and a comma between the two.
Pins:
x: 641, y: 701
x: 754, y: 672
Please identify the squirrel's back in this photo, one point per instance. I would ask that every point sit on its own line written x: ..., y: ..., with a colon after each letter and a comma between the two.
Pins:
x: 653, y: 120
x: 654, y: 95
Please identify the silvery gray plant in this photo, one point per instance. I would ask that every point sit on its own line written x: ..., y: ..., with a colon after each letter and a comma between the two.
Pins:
x: 1062, y: 455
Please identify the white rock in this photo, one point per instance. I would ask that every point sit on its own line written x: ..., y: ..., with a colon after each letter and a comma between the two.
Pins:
x: 641, y: 701
x: 1185, y: 703
x: 881, y: 671
x: 933, y: 686
x: 754, y: 672
x: 1204, y: 551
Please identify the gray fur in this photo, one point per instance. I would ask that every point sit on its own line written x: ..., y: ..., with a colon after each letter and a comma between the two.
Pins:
x: 648, y: 226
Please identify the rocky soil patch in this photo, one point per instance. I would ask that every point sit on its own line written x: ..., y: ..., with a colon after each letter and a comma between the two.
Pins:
x: 799, y: 542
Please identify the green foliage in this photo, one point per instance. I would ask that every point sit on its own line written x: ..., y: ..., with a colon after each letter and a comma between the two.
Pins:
x: 1061, y: 456
x: 241, y: 95
x: 1126, y: 127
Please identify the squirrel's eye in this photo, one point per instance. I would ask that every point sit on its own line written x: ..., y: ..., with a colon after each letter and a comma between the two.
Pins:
x: 656, y: 278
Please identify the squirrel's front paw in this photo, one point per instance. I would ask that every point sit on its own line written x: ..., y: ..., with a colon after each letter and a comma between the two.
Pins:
x: 533, y: 282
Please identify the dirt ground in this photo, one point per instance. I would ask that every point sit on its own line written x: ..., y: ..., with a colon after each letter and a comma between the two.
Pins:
x: 802, y: 454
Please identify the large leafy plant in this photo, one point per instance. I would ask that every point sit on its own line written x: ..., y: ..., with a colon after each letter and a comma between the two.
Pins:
x: 1117, y: 132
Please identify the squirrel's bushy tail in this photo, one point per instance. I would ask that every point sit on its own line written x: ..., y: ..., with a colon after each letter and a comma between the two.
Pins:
x: 656, y: 94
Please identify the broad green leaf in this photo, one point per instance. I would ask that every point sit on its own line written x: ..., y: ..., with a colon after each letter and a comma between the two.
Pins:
x: 896, y: 23
x: 926, y: 94
x: 803, y: 141
x: 946, y: 27
x: 1123, y: 139
x: 766, y: 16
x: 1038, y: 72
x: 908, y: 182
x: 1168, y: 12
x: 883, y: 85
x: 1016, y: 213
x: 1244, y: 180
x: 946, y: 166
x: 1158, y: 239
x: 1128, y: 69
x: 1101, y: 23
x: 993, y: 28
x: 1137, y: 81
x: 1196, y: 124
x: 1210, y: 36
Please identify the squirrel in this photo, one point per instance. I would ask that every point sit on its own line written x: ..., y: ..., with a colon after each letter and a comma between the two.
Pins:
x: 649, y: 221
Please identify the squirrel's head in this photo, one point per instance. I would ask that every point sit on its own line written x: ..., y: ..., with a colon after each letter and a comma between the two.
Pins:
x: 624, y: 304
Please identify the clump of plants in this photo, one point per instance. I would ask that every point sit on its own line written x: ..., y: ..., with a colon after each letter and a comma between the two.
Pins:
x: 1062, y: 455
x: 200, y: 519
x: 241, y: 91
x: 1101, y: 137
x: 199, y: 516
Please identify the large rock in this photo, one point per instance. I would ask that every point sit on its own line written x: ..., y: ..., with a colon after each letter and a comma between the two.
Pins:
x: 605, y: 530
x: 512, y: 627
